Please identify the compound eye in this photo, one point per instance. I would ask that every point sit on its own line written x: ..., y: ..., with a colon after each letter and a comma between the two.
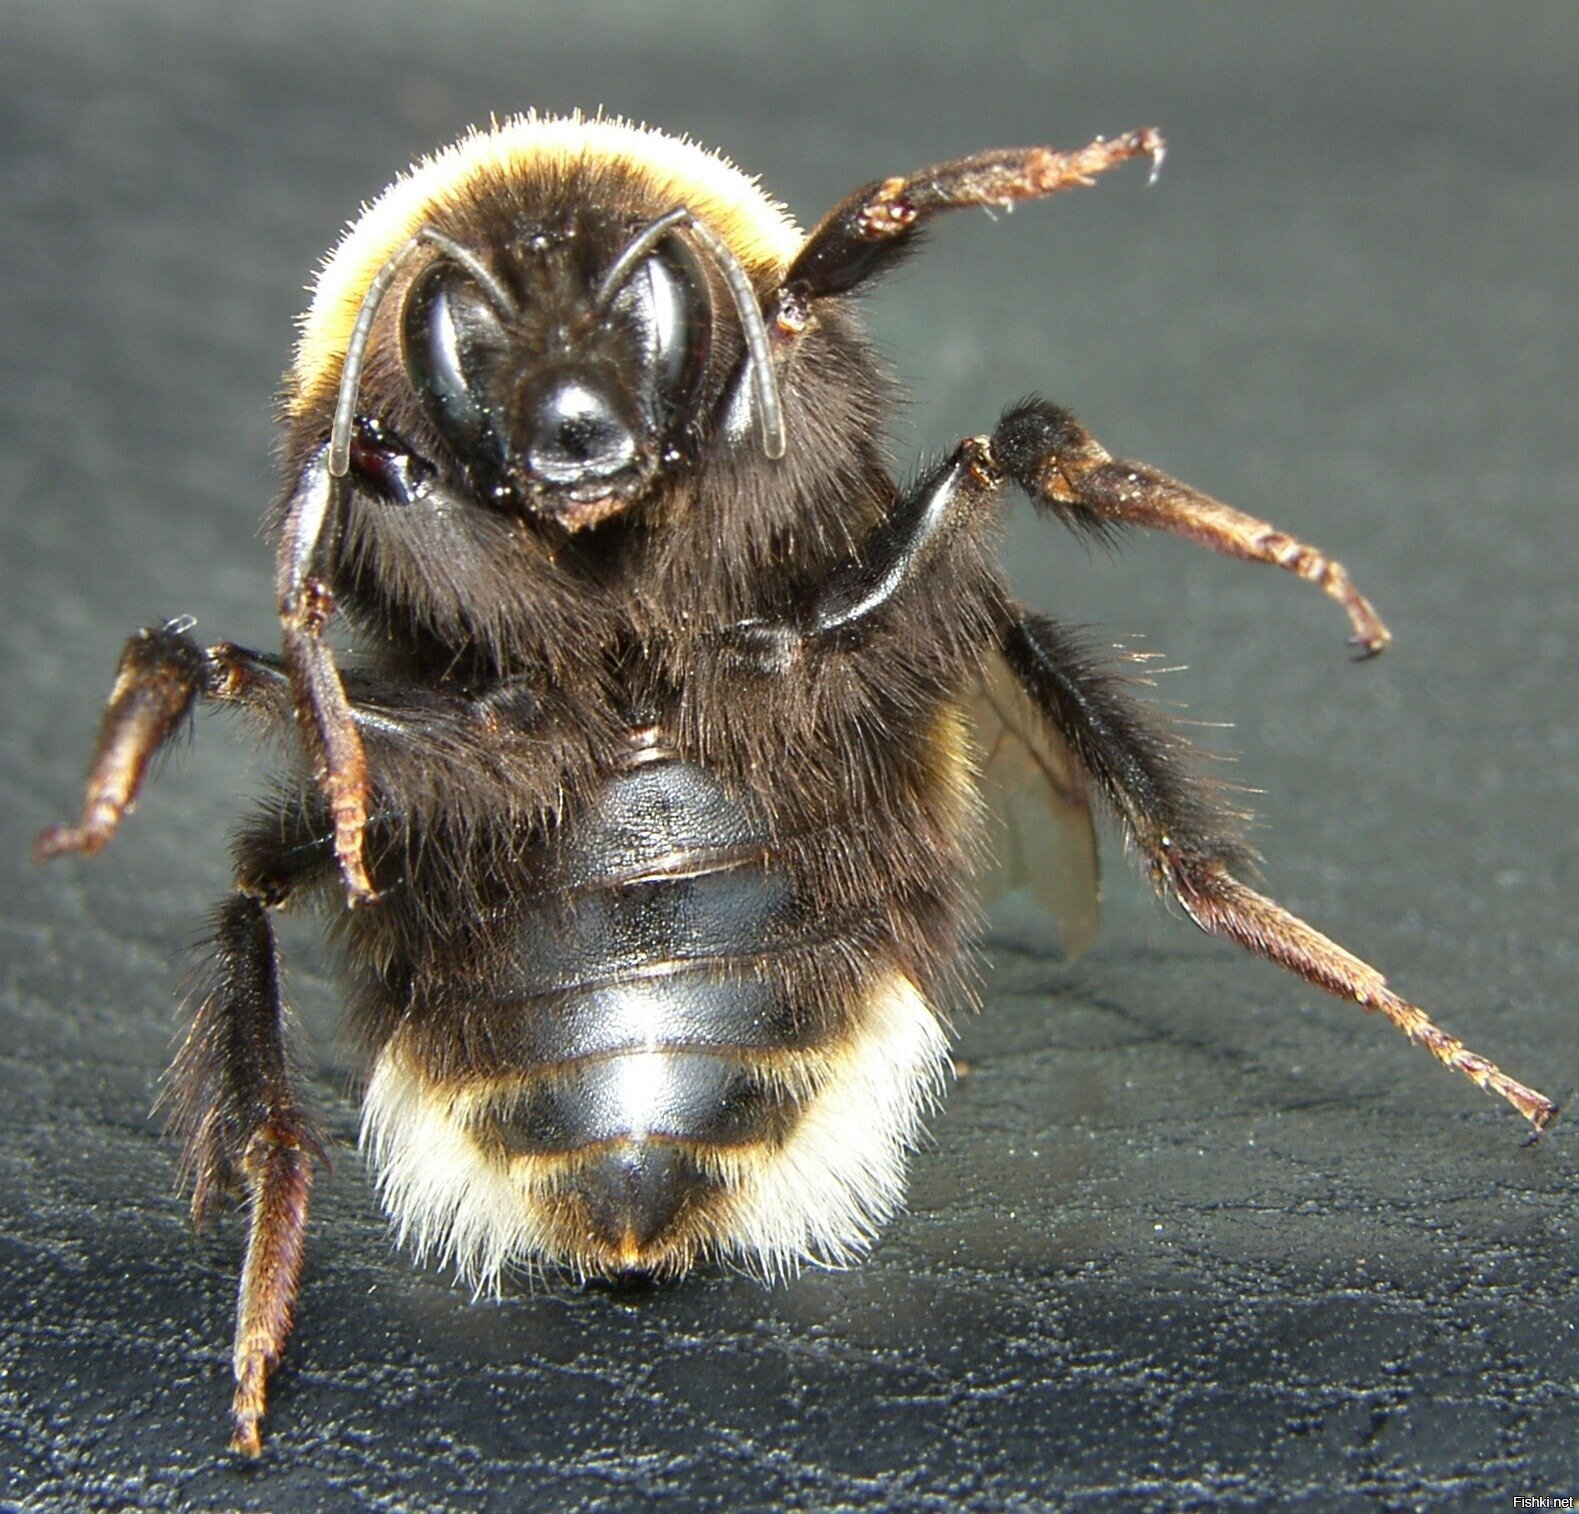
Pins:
x: 447, y: 332
x: 667, y: 300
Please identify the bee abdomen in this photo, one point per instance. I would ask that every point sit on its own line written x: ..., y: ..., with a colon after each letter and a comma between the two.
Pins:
x: 685, y: 1057
x: 660, y: 927
x: 635, y: 1141
x: 635, y: 1193
x: 670, y: 920
x: 742, y: 1007
x: 680, y: 1095
x: 654, y: 1015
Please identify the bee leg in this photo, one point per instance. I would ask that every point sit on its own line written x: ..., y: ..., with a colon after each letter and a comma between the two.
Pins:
x: 934, y: 530
x: 1191, y: 839
x: 873, y: 228
x: 1066, y: 471
x: 928, y: 522
x: 323, y: 709
x: 162, y: 674
x: 229, y: 1094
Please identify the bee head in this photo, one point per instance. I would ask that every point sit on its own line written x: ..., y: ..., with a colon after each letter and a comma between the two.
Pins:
x: 563, y: 387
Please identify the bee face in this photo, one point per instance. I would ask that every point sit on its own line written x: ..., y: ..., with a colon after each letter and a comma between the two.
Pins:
x: 564, y: 382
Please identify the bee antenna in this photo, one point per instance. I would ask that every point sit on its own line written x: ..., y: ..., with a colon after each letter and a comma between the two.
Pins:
x: 758, y: 353
x: 361, y: 332
x: 635, y: 250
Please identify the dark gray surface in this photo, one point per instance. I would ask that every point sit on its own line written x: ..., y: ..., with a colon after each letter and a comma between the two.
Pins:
x: 1188, y: 1231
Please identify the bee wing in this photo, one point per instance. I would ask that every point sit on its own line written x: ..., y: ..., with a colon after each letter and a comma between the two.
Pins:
x: 1039, y: 810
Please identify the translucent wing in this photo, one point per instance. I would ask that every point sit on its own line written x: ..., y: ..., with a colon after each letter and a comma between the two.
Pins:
x: 1043, y: 838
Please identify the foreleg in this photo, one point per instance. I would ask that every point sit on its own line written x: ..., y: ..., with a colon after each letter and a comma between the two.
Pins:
x: 306, y: 604
x: 1191, y: 839
x: 324, y: 698
x: 870, y: 230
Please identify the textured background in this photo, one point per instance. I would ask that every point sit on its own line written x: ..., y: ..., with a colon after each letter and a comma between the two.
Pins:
x: 1188, y: 1230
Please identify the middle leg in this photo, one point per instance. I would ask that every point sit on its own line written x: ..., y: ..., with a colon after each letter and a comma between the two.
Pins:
x: 1068, y: 473
x: 935, y: 533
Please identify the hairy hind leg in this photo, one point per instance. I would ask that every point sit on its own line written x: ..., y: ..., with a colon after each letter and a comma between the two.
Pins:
x: 230, y: 1094
x: 1191, y: 840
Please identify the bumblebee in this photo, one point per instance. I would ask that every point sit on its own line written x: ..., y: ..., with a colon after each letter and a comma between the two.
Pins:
x: 645, y: 814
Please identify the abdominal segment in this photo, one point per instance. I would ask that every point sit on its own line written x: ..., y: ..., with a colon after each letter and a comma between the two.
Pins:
x: 687, y: 1061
